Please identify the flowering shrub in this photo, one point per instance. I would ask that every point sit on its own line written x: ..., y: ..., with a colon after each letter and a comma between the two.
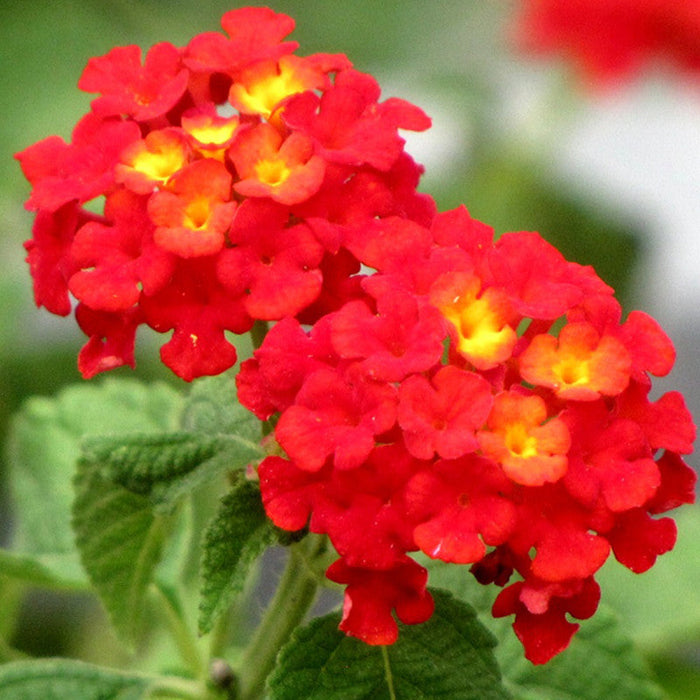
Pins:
x: 426, y: 388
x: 610, y: 40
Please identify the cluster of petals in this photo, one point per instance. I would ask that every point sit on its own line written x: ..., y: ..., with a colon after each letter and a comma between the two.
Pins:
x: 430, y: 389
x: 610, y: 40
x: 482, y: 402
x: 212, y: 186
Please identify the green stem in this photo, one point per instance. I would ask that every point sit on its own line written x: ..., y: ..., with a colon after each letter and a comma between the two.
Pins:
x: 295, y: 594
x: 182, y: 635
x: 219, y: 638
x: 172, y: 687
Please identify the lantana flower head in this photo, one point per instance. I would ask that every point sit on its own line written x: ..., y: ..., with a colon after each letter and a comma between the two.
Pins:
x: 508, y: 399
x: 230, y: 171
x: 427, y: 387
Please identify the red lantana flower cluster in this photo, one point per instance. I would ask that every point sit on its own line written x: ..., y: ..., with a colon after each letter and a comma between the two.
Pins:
x: 485, y: 403
x: 610, y: 40
x: 212, y: 186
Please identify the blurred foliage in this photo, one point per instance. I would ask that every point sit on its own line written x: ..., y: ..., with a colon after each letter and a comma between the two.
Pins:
x: 513, y: 194
x: 443, y: 60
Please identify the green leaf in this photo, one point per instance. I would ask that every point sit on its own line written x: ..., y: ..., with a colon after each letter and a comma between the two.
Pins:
x: 614, y: 668
x: 43, y: 448
x: 120, y: 540
x: 29, y: 569
x: 60, y: 679
x: 166, y: 467
x: 448, y: 657
x: 237, y: 535
x: 212, y: 407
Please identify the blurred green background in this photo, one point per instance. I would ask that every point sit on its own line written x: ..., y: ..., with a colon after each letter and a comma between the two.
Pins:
x: 498, y: 125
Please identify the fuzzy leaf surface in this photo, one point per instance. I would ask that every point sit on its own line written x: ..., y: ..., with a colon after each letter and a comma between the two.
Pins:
x: 43, y: 447
x: 613, y: 666
x: 449, y: 657
x: 237, y: 535
x: 59, y: 679
x: 168, y: 466
x: 120, y: 539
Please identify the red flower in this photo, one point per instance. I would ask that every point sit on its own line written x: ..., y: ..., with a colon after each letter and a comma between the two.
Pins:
x: 199, y: 310
x: 611, y: 460
x: 196, y: 142
x: 442, y: 415
x: 151, y: 162
x: 370, y: 597
x: 397, y: 340
x: 287, y: 492
x: 417, y: 417
x: 609, y: 41
x: 637, y: 539
x: 462, y: 507
x: 111, y: 339
x: 336, y: 414
x: 286, y: 170
x: 193, y: 214
x: 48, y: 255
x: 539, y: 281
x: 580, y: 365
x: 255, y: 34
x: 540, y: 619
x: 81, y: 170
x: 482, y: 319
x: 348, y: 124
x: 265, y: 86
x: 274, y: 267
x: 120, y: 261
x: 270, y: 381
x: 128, y: 88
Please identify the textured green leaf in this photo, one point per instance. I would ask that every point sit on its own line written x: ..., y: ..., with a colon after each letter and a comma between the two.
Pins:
x: 63, y: 679
x: 236, y: 536
x: 449, y: 657
x: 613, y: 667
x: 43, y: 447
x: 165, y: 467
x: 120, y: 539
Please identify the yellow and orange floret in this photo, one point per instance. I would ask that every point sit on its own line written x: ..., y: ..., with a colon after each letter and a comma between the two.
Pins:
x: 530, y: 446
x: 579, y: 365
x: 480, y: 318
